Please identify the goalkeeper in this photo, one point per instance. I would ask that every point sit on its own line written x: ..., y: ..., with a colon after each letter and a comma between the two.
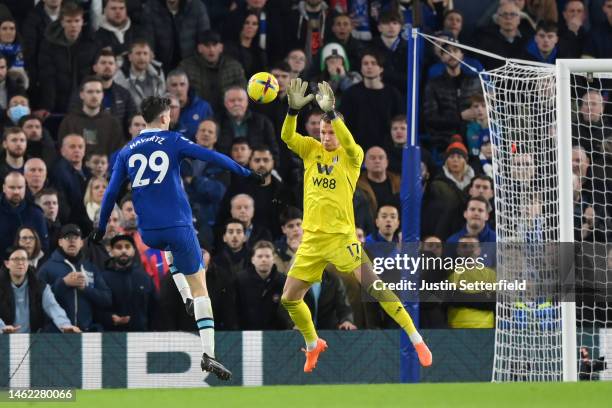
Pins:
x: 331, y: 169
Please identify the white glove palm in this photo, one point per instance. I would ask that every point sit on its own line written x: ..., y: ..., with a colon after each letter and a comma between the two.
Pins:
x: 296, y: 94
x: 325, y: 97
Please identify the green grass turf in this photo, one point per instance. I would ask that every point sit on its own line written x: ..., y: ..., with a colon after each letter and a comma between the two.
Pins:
x: 456, y: 395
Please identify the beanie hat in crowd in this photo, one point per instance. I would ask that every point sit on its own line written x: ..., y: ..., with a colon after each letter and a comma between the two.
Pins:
x: 334, y: 50
x: 456, y: 146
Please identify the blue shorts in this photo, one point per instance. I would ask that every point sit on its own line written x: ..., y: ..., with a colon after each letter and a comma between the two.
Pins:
x: 182, y: 242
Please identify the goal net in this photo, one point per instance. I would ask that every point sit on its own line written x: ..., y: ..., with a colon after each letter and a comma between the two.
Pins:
x: 551, y: 205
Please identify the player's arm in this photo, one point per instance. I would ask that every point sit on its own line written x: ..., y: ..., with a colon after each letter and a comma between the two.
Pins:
x: 110, y: 195
x: 296, y: 99
x: 326, y: 101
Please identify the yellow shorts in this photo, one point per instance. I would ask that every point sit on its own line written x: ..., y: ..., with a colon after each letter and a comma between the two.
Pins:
x: 319, y: 249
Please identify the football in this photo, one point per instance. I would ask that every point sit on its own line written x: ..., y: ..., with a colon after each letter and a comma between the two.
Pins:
x: 262, y: 87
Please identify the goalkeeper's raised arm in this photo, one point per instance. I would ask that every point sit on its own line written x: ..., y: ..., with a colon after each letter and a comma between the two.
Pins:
x: 297, y: 99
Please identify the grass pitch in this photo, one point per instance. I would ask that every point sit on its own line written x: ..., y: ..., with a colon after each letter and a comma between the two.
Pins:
x: 455, y: 395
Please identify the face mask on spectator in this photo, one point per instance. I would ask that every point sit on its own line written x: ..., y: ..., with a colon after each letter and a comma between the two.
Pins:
x: 17, y: 112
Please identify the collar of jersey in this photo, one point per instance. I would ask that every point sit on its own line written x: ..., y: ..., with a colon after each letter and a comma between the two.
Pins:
x: 149, y: 131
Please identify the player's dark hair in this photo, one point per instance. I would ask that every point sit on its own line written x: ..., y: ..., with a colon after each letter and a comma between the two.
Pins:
x: 70, y: 9
x: 327, y: 117
x: 46, y: 191
x: 90, y: 78
x: 547, y: 27
x: 27, y: 118
x: 482, y: 177
x: 390, y: 17
x: 241, y: 140
x: 290, y: 213
x: 104, y: 52
x: 399, y: 118
x: 480, y: 199
x: 153, y: 106
x: 11, y: 131
x: 125, y: 199
x: 380, y: 59
x: 233, y: 221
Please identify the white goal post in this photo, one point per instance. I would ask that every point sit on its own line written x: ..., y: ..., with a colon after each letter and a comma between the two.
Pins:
x: 532, y: 110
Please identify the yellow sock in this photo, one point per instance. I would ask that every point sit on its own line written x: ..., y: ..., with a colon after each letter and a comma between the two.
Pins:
x: 394, y: 308
x: 300, y: 314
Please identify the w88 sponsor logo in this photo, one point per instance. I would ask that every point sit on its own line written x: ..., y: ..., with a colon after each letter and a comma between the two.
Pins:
x: 324, y: 182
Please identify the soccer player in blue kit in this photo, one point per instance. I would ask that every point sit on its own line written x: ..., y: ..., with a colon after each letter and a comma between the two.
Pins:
x: 152, y: 161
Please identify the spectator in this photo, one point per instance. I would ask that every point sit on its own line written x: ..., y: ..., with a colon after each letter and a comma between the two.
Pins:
x: 193, y: 108
x: 25, y: 302
x: 11, y: 48
x: 232, y: 256
x: 97, y: 165
x: 33, y: 33
x: 478, y: 126
x: 296, y: 58
x: 39, y: 141
x: 541, y: 10
x: 259, y: 288
x: 16, y: 211
x: 98, y: 253
x: 135, y: 124
x: 77, y: 284
x: 592, y: 128
x: 15, y: 145
x: 211, y: 72
x: 288, y: 243
x: 101, y: 131
x: 239, y: 121
x: 116, y: 99
x: 272, y: 36
x: 35, y: 173
x: 312, y: 123
x: 175, y: 26
x: 453, y: 23
x: 341, y: 28
x: 504, y: 38
x: 387, y: 224
x: 143, y: 76
x: 471, y: 309
x: 311, y: 26
x: 243, y: 47
x: 394, y: 50
x: 65, y: 57
x: 432, y: 308
x: 28, y: 239
x: 335, y: 70
x: 69, y: 177
x: 242, y: 208
x: 399, y: 138
x: 476, y: 216
x: 545, y: 46
x: 134, y: 297
x: 446, y: 189
x: 572, y: 31
x: 369, y: 106
x: 17, y: 107
x: 470, y: 67
x: 94, y: 192
x: 446, y: 103
x: 329, y: 305
x: 381, y: 186
x: 9, y: 87
x: 271, y: 198
x: 241, y: 151
x: 117, y: 30
x: 47, y: 199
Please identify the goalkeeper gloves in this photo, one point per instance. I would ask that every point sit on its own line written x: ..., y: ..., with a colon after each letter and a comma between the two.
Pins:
x: 325, y: 97
x: 256, y: 178
x: 296, y: 94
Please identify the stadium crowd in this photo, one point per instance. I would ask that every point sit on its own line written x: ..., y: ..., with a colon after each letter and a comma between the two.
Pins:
x: 73, y: 74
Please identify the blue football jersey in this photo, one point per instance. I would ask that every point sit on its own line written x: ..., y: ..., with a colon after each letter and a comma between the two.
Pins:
x: 151, y: 161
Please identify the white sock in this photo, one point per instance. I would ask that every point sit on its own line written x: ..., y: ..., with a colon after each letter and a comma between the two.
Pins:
x: 181, y: 284
x: 206, y: 324
x: 311, y: 346
x: 415, y: 338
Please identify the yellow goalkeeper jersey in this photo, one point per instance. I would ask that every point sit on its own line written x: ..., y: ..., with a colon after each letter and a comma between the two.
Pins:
x: 329, y: 178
